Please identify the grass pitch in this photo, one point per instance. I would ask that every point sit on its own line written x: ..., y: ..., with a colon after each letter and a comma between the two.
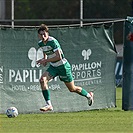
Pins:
x: 113, y: 120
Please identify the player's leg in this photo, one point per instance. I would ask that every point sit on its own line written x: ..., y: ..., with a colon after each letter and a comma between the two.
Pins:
x: 66, y: 76
x: 80, y: 91
x: 45, y: 78
x: 45, y: 91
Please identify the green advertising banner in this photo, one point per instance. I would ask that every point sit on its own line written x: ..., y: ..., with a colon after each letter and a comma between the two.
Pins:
x: 89, y: 49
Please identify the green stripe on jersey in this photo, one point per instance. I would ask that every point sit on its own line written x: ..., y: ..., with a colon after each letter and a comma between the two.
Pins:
x: 51, y: 46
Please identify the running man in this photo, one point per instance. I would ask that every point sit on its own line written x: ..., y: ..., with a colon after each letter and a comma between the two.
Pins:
x: 59, y: 66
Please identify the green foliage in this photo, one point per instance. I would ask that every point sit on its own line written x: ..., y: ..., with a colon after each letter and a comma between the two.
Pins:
x: 107, y: 9
x: 46, y: 9
x: 70, y: 9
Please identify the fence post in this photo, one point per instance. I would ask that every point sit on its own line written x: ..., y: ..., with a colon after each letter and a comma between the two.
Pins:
x: 12, y: 13
x: 127, y: 92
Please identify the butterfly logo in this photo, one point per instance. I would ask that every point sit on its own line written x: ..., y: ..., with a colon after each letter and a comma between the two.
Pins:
x: 35, y: 55
x: 86, y: 54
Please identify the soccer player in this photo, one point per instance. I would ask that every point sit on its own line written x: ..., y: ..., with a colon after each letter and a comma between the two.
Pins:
x: 59, y: 66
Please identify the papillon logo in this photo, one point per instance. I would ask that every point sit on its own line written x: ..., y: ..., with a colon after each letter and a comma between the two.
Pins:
x: 86, y: 54
x: 35, y: 55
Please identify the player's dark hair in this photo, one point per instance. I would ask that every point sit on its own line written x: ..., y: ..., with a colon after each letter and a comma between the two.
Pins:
x: 42, y: 28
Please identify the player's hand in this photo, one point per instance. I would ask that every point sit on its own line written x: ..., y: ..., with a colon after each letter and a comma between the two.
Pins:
x: 42, y: 62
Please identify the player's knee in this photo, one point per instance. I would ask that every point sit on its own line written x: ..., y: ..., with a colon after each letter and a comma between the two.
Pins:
x: 42, y: 80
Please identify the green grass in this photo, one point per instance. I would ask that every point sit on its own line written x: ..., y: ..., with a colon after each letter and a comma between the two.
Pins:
x: 113, y: 120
